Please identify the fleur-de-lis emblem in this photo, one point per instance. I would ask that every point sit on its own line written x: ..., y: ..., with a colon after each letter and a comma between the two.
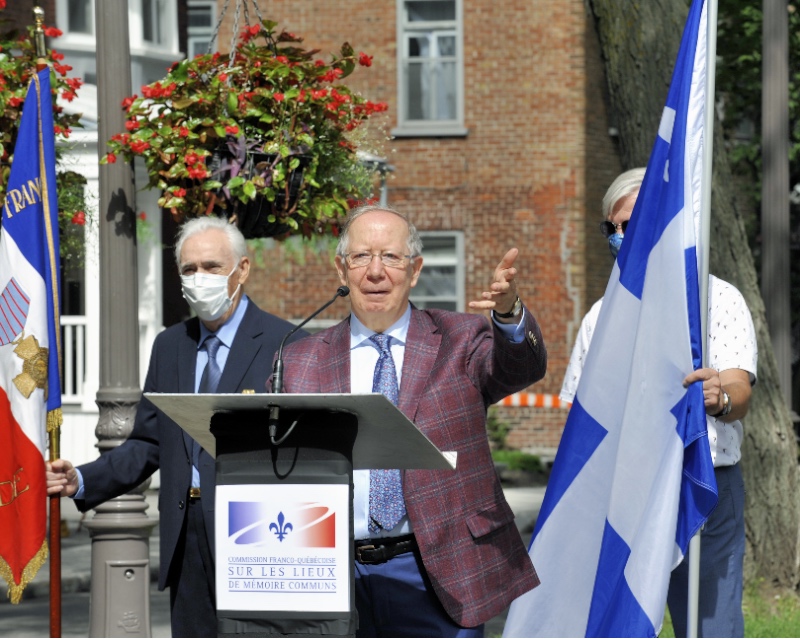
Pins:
x: 281, y: 529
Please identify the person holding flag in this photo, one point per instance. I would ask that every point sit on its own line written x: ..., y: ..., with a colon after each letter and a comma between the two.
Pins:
x: 727, y: 382
x: 633, y: 480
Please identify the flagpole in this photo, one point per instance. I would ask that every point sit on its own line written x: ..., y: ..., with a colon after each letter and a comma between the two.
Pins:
x: 705, y: 235
x: 54, y: 433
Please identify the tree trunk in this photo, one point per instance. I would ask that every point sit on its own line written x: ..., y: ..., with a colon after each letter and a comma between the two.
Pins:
x: 640, y: 41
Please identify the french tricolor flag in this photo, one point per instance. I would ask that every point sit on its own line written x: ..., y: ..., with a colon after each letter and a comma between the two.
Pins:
x: 633, y: 478
x: 30, y: 387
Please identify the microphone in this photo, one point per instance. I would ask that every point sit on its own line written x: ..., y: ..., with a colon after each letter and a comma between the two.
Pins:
x: 277, y: 369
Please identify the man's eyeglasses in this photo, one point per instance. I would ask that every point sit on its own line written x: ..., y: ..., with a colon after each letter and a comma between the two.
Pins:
x: 609, y: 228
x: 359, y: 259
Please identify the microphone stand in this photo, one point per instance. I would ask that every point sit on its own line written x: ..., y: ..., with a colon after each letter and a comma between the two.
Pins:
x: 277, y: 368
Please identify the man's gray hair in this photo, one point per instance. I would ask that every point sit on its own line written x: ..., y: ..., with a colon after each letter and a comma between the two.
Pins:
x: 206, y: 223
x: 413, y: 246
x: 625, y: 184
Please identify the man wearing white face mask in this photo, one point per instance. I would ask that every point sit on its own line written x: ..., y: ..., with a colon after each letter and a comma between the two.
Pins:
x: 227, y: 348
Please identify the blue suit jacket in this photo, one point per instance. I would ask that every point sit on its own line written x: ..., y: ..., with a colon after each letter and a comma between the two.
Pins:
x: 158, y: 442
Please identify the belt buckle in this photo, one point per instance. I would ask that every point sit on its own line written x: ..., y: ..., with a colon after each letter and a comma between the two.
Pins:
x: 194, y: 493
x: 358, y: 553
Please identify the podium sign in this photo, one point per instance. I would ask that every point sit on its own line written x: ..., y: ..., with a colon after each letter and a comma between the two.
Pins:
x: 278, y: 550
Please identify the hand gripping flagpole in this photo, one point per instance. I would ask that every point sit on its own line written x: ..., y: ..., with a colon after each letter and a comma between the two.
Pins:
x: 53, y: 419
x: 705, y: 235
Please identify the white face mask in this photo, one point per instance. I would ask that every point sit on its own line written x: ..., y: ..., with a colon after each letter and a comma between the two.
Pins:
x: 207, y: 294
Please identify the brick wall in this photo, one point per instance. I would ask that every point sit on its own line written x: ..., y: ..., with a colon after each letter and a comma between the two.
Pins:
x: 530, y: 173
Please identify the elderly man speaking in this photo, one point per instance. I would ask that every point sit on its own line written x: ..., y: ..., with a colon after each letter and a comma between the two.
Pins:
x: 437, y: 552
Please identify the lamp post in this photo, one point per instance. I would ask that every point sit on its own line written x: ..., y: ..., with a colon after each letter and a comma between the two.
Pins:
x: 120, y: 530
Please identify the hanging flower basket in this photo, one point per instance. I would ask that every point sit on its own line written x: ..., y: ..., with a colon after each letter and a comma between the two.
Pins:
x: 17, y: 65
x: 263, y: 136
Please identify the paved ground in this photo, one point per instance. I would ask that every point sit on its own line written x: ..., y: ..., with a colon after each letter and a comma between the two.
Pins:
x: 31, y: 617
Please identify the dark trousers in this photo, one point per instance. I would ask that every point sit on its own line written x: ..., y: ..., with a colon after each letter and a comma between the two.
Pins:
x: 721, y: 566
x: 191, y: 581
x: 396, y: 599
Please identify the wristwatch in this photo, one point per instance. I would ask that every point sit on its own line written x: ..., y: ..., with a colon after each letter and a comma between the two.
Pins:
x: 727, y: 405
x: 514, y: 310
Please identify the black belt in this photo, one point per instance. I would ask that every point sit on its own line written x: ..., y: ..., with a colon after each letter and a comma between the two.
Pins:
x: 378, y: 551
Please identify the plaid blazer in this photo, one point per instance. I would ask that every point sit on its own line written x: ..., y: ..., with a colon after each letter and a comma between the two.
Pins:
x: 455, y: 366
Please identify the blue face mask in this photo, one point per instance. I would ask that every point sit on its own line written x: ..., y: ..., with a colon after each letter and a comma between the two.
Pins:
x: 614, y: 242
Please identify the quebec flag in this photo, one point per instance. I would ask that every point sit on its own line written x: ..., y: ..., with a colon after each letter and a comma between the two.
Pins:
x: 30, y: 386
x: 633, y: 478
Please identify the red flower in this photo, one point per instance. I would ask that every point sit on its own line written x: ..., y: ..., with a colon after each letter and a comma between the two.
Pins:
x: 179, y: 192
x: 248, y: 33
x: 139, y: 146
x: 14, y: 101
x: 198, y: 172
x: 191, y: 158
x: 132, y: 125
x: 69, y: 96
x: 127, y: 102
x: 232, y: 129
x: 111, y: 158
x: 62, y: 69
x: 79, y: 218
x: 223, y: 77
x: 364, y: 60
x: 183, y: 132
x: 142, y: 216
x: 278, y: 97
x: 282, y: 59
x: 331, y: 75
x: 52, y: 32
x: 2, y: 4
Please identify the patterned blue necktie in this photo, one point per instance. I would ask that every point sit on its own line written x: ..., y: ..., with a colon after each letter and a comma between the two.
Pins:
x: 208, y: 383
x: 386, y: 505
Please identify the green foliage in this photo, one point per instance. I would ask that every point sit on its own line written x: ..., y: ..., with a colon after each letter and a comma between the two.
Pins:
x: 72, y: 216
x: 296, y: 250
x: 767, y: 613
x: 739, y: 85
x: 17, y: 66
x: 220, y: 131
x: 517, y: 460
x: 496, y: 429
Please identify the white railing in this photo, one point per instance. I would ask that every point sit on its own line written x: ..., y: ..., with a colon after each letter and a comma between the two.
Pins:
x: 73, y: 355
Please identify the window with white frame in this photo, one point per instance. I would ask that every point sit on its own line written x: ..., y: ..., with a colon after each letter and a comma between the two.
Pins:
x: 154, y: 19
x: 201, y: 16
x: 441, y: 282
x: 80, y: 16
x: 430, y: 68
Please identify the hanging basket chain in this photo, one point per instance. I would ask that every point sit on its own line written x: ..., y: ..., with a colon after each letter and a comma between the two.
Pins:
x: 213, y: 41
x: 241, y: 5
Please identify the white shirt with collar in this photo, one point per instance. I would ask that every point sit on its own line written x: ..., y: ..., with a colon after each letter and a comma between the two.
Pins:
x: 363, y: 359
